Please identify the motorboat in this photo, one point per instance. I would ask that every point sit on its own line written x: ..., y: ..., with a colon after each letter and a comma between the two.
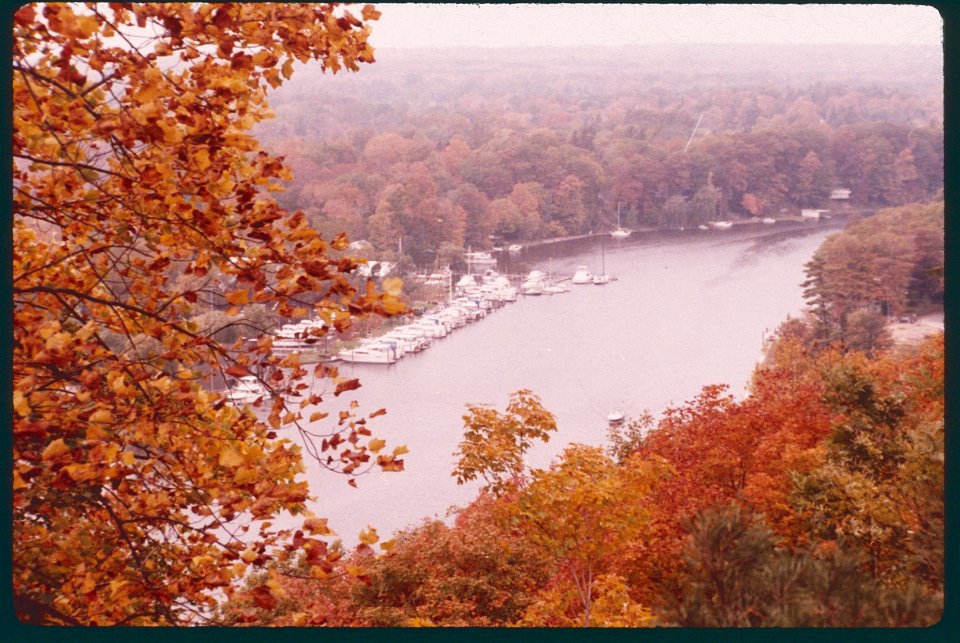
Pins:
x: 372, y: 353
x: 582, y: 276
x: 534, y: 283
x: 246, y: 390
x: 720, y: 225
x: 533, y: 288
x: 616, y: 418
x: 554, y: 288
x: 769, y: 220
x: 600, y: 280
x: 516, y: 247
x: 479, y: 259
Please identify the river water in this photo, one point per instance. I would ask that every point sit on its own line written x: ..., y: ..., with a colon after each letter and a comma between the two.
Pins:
x: 687, y: 309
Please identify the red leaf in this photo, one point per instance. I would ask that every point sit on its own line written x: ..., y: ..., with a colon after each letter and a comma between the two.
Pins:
x: 348, y: 385
x: 264, y: 598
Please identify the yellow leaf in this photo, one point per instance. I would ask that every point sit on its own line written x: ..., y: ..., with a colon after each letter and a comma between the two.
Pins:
x: 202, y: 159
x: 55, y: 449
x: 81, y: 472
x: 88, y: 585
x: 393, y: 286
x: 20, y: 404
x: 230, y: 457
x: 246, y: 474
x: 387, y: 545
x: 127, y: 458
x: 249, y: 555
x: 18, y: 482
x: 400, y: 450
x: 376, y: 444
x: 319, y: 415
x: 171, y: 133
x: 369, y: 536
x: 102, y: 416
x: 238, y: 297
x: 95, y: 432
x: 317, y: 526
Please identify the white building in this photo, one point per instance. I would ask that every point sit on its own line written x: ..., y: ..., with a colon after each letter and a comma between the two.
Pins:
x: 840, y: 194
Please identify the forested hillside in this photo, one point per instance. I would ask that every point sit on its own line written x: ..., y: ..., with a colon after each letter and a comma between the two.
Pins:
x: 516, y: 145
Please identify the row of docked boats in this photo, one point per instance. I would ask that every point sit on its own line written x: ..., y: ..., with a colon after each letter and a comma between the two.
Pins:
x: 539, y: 283
x: 477, y: 295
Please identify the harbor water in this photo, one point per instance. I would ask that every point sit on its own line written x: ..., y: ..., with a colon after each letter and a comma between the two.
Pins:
x: 687, y: 309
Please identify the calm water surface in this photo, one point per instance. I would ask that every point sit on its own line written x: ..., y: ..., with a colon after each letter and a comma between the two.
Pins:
x: 688, y: 309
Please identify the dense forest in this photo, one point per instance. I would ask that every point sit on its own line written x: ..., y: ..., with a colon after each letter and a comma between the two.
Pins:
x: 519, y: 145
x: 815, y: 501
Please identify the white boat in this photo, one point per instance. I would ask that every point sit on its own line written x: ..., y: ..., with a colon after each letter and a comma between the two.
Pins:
x: 479, y: 259
x: 619, y: 232
x: 600, y: 280
x: 720, y: 225
x: 246, y: 390
x: 369, y: 354
x: 769, y: 220
x: 616, y: 418
x: 582, y: 276
x: 514, y: 248
x: 702, y: 227
x: 534, y: 283
x: 553, y: 288
x: 533, y: 288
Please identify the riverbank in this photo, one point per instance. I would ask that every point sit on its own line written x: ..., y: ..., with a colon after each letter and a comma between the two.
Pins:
x: 910, y: 333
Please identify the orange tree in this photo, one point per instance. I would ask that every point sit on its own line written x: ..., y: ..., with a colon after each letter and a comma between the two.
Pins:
x: 140, y: 196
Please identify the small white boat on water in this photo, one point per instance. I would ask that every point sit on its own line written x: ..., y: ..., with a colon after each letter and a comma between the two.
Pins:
x: 516, y: 247
x: 370, y: 354
x: 721, y: 225
x: 582, y: 276
x: 616, y: 418
x: 600, y: 280
x: 534, y: 288
x: 769, y: 220
x: 246, y: 390
x: 534, y: 283
x: 619, y: 232
x: 555, y: 288
x: 479, y: 259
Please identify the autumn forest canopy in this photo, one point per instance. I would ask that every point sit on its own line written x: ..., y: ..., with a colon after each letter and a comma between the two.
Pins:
x: 525, y: 144
x: 188, y: 177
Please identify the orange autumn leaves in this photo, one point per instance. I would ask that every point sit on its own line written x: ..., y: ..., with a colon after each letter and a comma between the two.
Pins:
x: 141, y: 200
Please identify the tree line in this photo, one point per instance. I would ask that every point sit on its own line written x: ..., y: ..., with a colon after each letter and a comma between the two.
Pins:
x: 526, y: 160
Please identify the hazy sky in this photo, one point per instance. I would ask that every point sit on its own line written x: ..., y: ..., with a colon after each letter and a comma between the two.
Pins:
x: 498, y: 25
